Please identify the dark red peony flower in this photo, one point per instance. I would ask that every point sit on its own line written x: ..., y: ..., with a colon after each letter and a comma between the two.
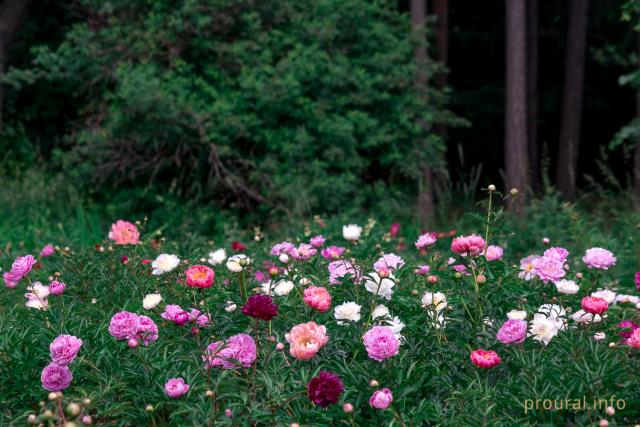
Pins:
x: 238, y: 246
x: 325, y: 388
x: 260, y: 307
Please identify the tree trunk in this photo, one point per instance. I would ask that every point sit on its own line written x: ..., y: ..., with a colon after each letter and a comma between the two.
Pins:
x: 636, y: 155
x: 426, y: 208
x: 12, y: 14
x: 532, y: 94
x: 515, y: 143
x: 568, y: 145
x: 441, y: 10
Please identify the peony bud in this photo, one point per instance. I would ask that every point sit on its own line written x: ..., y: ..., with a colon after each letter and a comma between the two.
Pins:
x: 491, y: 188
x: 73, y: 409
x: 374, y: 383
x: 481, y: 279
x: 347, y: 408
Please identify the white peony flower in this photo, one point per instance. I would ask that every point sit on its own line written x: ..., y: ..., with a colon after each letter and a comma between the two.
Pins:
x: 380, y: 311
x: 217, y: 257
x: 347, y: 311
x: 582, y: 316
x: 284, y: 258
x: 437, y: 299
x: 543, y: 328
x: 37, y: 303
x: 39, y: 290
x: 164, y: 263
x: 396, y: 326
x: 380, y: 287
x: 150, y: 301
x: 599, y: 336
x: 304, y: 281
x: 237, y: 263
x: 230, y: 307
x: 567, y: 287
x: 556, y: 311
x: 605, y: 294
x: 281, y: 288
x: 517, y: 315
x: 351, y: 232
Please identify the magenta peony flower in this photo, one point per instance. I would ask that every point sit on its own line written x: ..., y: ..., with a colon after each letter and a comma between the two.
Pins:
x: 513, y: 331
x: 171, y: 311
x: 325, y: 388
x: 124, y: 233
x: 64, y: 349
x: 628, y: 327
x: 56, y: 288
x: 317, y: 241
x: 548, y: 269
x: 47, y: 251
x: 238, y: 350
x: 176, y: 387
x: 381, y: 343
x: 200, y: 276
x: 493, y: 253
x: 485, y: 359
x: 394, y: 229
x: 317, y: 298
x: 472, y: 245
x: 56, y: 377
x: 594, y: 305
x: 260, y: 307
x: 634, y: 339
x: 147, y: 330
x: 124, y: 325
x: 425, y: 240
x: 381, y: 399
x: 599, y: 258
x: 10, y: 281
x: 332, y: 252
x: 282, y: 248
x: 304, y: 252
x: 422, y: 270
x: 22, y: 266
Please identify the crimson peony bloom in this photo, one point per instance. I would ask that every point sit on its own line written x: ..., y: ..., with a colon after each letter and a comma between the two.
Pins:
x: 260, y: 307
x: 325, y: 388
x: 238, y: 246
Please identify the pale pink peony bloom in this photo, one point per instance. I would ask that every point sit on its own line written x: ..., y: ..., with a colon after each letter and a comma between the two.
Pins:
x: 557, y: 253
x: 303, y: 252
x: 425, y: 240
x: 527, y: 269
x: 388, y: 262
x: 56, y: 377
x: 471, y: 245
x: 176, y: 387
x: 493, y: 253
x: 548, y: 269
x: 594, y: 305
x: 282, y: 248
x: 341, y: 268
x: 64, y: 349
x: 599, y: 258
x: 200, y: 276
x: 485, y: 358
x: 317, y: 241
x: 381, y: 399
x: 22, y: 266
x: 381, y: 343
x: 47, y: 251
x: 306, y: 339
x: 57, y: 288
x: 124, y: 233
x: 317, y: 298
x: 238, y: 350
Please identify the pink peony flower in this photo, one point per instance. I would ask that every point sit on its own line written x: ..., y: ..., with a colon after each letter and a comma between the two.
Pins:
x: 527, y: 269
x: 124, y: 233
x: 388, y: 262
x: 599, y: 258
x: 422, y: 270
x: 594, y: 305
x: 425, y: 240
x: 317, y: 298
x: 325, y: 389
x: 56, y: 377
x: 147, y: 330
x: 493, y: 253
x: 381, y: 399
x: 513, y: 331
x: 176, y: 387
x: 485, y: 358
x: 559, y: 254
x: 200, y: 276
x: 10, y: 281
x: 304, y: 252
x: 47, y: 251
x: 636, y: 278
x: 22, y: 266
x: 628, y: 327
x: 634, y: 339
x: 471, y: 245
x: 332, y: 252
x: 394, y: 229
x: 124, y: 325
x: 238, y: 350
x: 64, y: 349
x: 317, y: 241
x: 381, y: 343
x: 548, y: 269
x: 340, y: 269
x: 282, y: 248
x: 56, y: 288
x: 306, y: 339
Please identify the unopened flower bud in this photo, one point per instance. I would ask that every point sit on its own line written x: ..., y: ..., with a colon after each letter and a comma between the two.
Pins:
x: 579, y: 276
x: 481, y: 279
x: 52, y: 396
x: 604, y: 423
x: 279, y: 346
x: 73, y: 409
x: 86, y: 420
x: 208, y: 393
x: 545, y: 240
x: 612, y: 344
x: 458, y: 275
x: 148, y: 408
x: 433, y: 278
x: 47, y: 415
x: 347, y: 408
x: 32, y: 419
x: 374, y: 383
x: 514, y: 192
x: 491, y: 188
x: 414, y: 292
x: 610, y: 411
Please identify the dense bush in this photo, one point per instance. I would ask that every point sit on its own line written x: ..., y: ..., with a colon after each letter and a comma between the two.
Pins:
x: 284, y: 104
